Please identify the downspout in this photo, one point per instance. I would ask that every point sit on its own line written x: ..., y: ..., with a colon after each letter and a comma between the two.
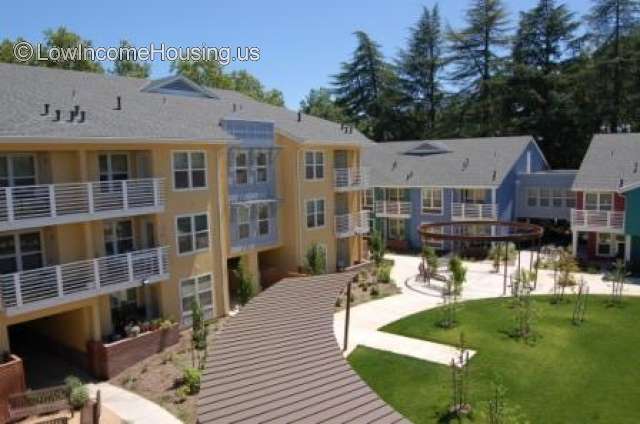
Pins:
x: 299, y: 208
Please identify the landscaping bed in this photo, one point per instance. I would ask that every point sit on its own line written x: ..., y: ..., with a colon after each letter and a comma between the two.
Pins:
x: 567, y: 374
x: 371, y: 284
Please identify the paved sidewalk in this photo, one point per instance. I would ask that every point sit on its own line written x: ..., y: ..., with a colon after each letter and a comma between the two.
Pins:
x: 130, y: 407
x: 481, y: 283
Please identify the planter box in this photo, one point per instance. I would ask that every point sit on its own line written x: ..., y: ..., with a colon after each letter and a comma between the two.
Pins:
x: 12, y: 380
x: 109, y: 359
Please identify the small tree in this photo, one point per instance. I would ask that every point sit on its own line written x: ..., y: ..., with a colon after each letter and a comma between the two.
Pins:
x: 617, y: 276
x: 316, y: 260
x: 460, y: 382
x: 525, y: 314
x: 246, y: 282
x: 458, y: 274
x: 199, y: 333
x: 376, y: 247
x: 566, y: 265
x: 580, y: 307
x: 431, y: 258
x: 497, y: 253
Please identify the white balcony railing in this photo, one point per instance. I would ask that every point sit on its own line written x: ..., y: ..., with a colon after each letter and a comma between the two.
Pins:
x: 31, y: 206
x: 346, y: 179
x: 474, y: 211
x: 597, y: 220
x: 393, y: 209
x: 350, y: 224
x: 53, y: 285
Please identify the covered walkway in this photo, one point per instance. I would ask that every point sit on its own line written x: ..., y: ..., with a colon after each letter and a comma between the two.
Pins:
x: 278, y: 361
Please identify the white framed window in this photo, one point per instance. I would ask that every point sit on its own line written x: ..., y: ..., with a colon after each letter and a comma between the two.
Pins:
x: 244, y: 222
x: 475, y: 196
x: 545, y: 198
x: 367, y: 198
x: 396, y: 229
x: 114, y: 166
x: 241, y: 167
x: 192, y: 233
x: 314, y: 165
x: 315, y: 213
x: 598, y: 201
x: 394, y: 194
x: 436, y: 244
x: 196, y: 289
x: 21, y: 251
x: 558, y: 197
x: 432, y: 201
x: 263, y: 220
x: 189, y: 170
x: 262, y: 166
x: 607, y: 244
x: 17, y: 169
x: 118, y: 237
x: 532, y: 197
x: 570, y: 199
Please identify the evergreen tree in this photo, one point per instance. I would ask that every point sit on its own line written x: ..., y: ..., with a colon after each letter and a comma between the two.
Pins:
x: 364, y: 89
x: 475, y: 55
x: 611, y: 21
x: 419, y: 67
x: 127, y: 66
x: 320, y: 102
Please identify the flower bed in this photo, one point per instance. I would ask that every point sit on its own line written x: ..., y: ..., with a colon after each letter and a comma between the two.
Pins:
x: 12, y: 381
x: 108, y: 359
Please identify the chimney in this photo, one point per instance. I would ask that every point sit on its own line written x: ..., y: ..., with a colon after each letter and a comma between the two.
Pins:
x: 118, y: 103
x: 299, y: 116
x: 46, y: 109
x: 57, y: 117
x: 83, y: 116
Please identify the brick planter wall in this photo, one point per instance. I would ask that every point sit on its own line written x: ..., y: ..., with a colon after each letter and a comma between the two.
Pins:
x: 12, y: 381
x: 107, y: 360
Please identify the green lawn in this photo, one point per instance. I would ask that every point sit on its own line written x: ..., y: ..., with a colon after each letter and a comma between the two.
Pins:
x: 585, y: 374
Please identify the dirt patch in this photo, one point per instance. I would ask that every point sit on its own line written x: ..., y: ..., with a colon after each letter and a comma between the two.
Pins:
x: 157, y: 377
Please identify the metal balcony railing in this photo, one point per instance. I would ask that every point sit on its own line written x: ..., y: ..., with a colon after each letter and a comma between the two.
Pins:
x: 53, y: 285
x: 393, y: 209
x: 37, y: 205
x: 597, y: 220
x: 474, y: 211
x: 347, y: 225
x: 346, y: 179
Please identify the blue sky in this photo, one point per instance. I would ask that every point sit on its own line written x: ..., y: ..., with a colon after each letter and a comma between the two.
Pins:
x: 302, y: 42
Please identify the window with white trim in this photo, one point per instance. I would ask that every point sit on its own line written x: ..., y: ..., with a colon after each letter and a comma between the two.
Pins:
x: 189, y: 170
x: 472, y: 195
x: 21, y: 252
x: 532, y: 197
x: 196, y: 289
x: 605, y: 244
x: 314, y: 165
x: 315, y: 213
x: 241, y: 167
x: 192, y: 233
x: 557, y: 197
x: 432, y: 200
x: 118, y: 237
x: 263, y: 220
x: 395, y: 194
x: 599, y: 201
x: 545, y: 198
x: 570, y: 199
x: 17, y: 170
x: 113, y: 166
x: 367, y: 198
x: 244, y: 222
x: 262, y: 166
x: 396, y: 229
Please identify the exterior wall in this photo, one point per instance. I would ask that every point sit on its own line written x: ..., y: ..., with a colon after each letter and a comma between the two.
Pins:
x: 632, y: 216
x: 552, y: 180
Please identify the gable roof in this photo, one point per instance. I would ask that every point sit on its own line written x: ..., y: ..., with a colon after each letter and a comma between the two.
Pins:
x: 149, y: 111
x: 612, y: 163
x: 470, y: 162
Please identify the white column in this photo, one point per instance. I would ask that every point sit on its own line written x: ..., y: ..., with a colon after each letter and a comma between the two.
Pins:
x: 627, y: 248
x: 574, y: 242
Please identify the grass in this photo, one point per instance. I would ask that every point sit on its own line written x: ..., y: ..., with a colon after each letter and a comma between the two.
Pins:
x: 571, y: 374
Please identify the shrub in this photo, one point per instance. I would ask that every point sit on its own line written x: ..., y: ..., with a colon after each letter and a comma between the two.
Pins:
x: 376, y: 247
x: 245, y: 282
x: 383, y: 274
x: 70, y: 383
x: 181, y: 394
x: 79, y: 396
x: 191, y: 379
x: 316, y: 260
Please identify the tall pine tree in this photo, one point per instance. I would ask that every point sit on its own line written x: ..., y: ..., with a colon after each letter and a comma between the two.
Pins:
x: 419, y: 68
x: 475, y: 55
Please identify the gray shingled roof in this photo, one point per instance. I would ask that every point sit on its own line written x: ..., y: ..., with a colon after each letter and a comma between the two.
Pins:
x: 611, y: 163
x: 278, y: 361
x: 24, y: 90
x: 462, y: 162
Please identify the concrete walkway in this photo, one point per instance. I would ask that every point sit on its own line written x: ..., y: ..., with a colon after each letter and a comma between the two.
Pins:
x: 415, y: 297
x: 130, y: 407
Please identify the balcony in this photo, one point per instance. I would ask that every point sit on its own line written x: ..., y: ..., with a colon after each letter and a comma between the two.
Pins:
x: 592, y: 220
x: 474, y: 212
x: 39, y: 205
x: 350, y: 179
x: 351, y: 224
x: 40, y: 288
x: 393, y: 209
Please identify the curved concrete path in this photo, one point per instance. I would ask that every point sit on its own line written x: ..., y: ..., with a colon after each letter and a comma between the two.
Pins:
x: 130, y: 407
x: 481, y: 283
